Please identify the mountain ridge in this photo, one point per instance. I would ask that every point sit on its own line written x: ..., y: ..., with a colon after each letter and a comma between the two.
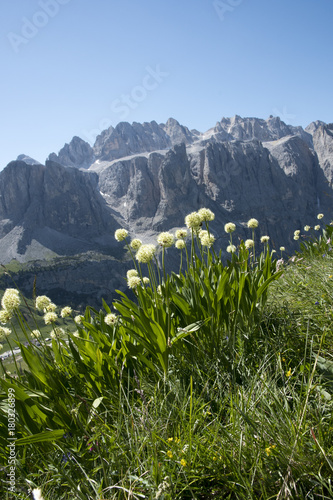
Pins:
x: 147, y: 177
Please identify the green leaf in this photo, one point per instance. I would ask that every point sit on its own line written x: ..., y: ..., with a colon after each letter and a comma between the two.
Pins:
x: 41, y: 437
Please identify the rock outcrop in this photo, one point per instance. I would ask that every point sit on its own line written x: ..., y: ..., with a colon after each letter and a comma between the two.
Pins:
x: 77, y: 153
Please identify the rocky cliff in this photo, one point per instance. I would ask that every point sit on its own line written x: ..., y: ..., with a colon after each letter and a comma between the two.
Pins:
x: 147, y: 177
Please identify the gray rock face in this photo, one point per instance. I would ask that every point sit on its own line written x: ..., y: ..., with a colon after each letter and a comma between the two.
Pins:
x: 148, y: 177
x: 77, y: 153
x: 273, y: 128
x: 50, y: 210
x: 323, y: 146
x: 27, y: 159
x: 127, y: 139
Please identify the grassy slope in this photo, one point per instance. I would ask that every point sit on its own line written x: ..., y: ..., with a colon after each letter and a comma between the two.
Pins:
x: 203, y: 437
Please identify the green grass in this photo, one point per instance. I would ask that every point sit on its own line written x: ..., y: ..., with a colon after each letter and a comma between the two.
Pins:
x: 217, y: 385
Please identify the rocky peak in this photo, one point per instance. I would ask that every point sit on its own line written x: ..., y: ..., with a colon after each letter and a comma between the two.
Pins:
x: 312, y: 127
x: 77, y: 153
x: 126, y: 140
x: 101, y: 139
x: 177, y: 133
x: 27, y: 159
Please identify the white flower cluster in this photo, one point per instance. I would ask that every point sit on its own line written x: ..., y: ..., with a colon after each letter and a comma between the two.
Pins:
x: 296, y: 234
x: 131, y: 272
x: 42, y: 303
x: 264, y: 239
x: 252, y: 223
x: 50, y: 317
x: 249, y: 244
x: 35, y: 334
x: 133, y: 281
x: 230, y: 227
x: 145, y: 253
x: 180, y: 244
x: 66, y: 311
x: 206, y: 238
x: 5, y: 316
x: 136, y: 244
x: 231, y: 248
x: 121, y: 234
x: 166, y: 240
x: 4, y: 332
x: 205, y: 214
x: 181, y: 234
x: 193, y: 220
x: 110, y: 319
x: 10, y: 301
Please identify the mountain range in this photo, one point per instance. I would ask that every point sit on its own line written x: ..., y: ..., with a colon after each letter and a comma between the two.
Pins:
x: 57, y: 220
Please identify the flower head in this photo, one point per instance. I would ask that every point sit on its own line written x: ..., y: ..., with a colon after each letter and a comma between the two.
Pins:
x: 134, y: 281
x: 37, y: 494
x: 252, y: 223
x: 230, y: 227
x: 317, y: 227
x: 166, y: 240
x: 297, y: 232
x: 59, y: 331
x: 193, y: 220
x: 145, y: 253
x: 181, y: 234
x: 110, y: 319
x: 11, y: 299
x: 136, y: 244
x: 66, y: 311
x: 51, y: 307
x: 5, y: 316
x: 169, y: 453
x: 264, y: 239
x: 307, y: 228
x: 320, y: 216
x: 231, y: 248
x: 145, y: 280
x: 50, y: 317
x: 183, y: 462
x: 296, y: 237
x: 132, y: 272
x: 121, y: 234
x: 205, y: 214
x: 35, y: 334
x: 249, y: 243
x: 42, y: 302
x: 78, y: 319
x: 206, y: 239
x: 180, y: 244
x: 4, y: 332
x: 282, y: 249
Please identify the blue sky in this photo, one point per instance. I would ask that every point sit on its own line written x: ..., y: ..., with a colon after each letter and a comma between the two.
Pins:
x: 75, y: 67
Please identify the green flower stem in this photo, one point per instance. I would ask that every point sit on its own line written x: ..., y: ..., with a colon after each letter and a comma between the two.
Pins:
x: 163, y: 265
x: 254, y: 245
x: 187, y: 261
x: 158, y: 270
x: 137, y: 266
x: 181, y: 261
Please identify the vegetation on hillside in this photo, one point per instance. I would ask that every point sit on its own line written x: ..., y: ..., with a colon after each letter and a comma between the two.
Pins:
x: 215, y: 382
